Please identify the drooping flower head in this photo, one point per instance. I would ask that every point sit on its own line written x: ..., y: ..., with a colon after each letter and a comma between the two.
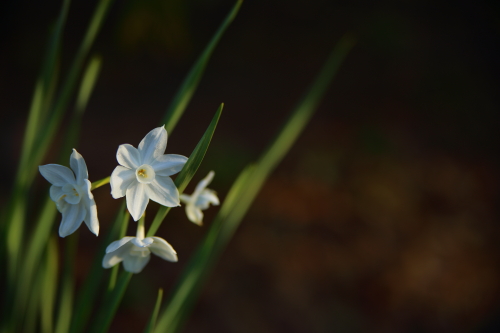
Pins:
x: 135, y: 252
x: 144, y: 172
x: 72, y: 195
x: 201, y: 198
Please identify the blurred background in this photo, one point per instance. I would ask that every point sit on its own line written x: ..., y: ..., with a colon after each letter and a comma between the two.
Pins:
x: 384, y: 215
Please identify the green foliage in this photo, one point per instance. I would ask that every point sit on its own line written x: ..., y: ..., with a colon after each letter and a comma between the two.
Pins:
x: 40, y: 296
x: 241, y: 196
x: 189, y: 169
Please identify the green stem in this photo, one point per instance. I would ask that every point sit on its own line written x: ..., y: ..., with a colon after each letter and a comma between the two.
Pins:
x: 99, y: 183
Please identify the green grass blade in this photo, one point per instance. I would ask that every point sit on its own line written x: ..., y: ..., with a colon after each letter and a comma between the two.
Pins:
x: 88, y: 292
x: 246, y: 188
x: 67, y: 286
x: 306, y: 107
x: 154, y: 315
x: 29, y: 167
x: 123, y: 231
x: 44, y: 87
x: 190, y: 83
x: 189, y: 169
x: 191, y: 279
x: 108, y: 308
x: 88, y: 83
x: 46, y: 220
x: 49, y: 289
x: 25, y: 282
x: 15, y: 219
x: 68, y: 87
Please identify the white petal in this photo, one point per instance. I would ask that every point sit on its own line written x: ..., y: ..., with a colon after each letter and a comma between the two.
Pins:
x: 203, y: 184
x: 91, y: 217
x: 118, y: 244
x: 128, y: 156
x: 135, y: 264
x: 162, y: 249
x: 72, y: 218
x: 137, y: 200
x: 57, y: 174
x: 194, y: 214
x: 185, y: 198
x: 169, y: 164
x: 114, y: 257
x: 153, y: 145
x: 205, y: 198
x: 142, y: 242
x: 111, y: 259
x: 61, y: 205
x: 163, y: 191
x: 56, y: 192
x: 121, y: 179
x: 78, y: 165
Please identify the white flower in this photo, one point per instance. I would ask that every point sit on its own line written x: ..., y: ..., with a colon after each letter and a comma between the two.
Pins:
x: 135, y: 251
x: 201, y: 198
x: 72, y: 196
x: 144, y: 172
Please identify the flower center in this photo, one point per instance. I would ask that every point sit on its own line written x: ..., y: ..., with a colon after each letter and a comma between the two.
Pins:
x: 72, y: 193
x: 145, y: 174
x: 139, y: 252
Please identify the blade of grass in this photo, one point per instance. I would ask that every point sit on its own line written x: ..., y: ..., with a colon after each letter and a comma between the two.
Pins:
x: 47, y: 300
x: 110, y: 305
x: 69, y: 84
x: 88, y: 294
x: 152, y: 321
x: 15, y: 219
x: 67, y: 286
x: 87, y: 86
x: 100, y: 182
x: 44, y: 87
x: 191, y: 278
x: 123, y: 231
x: 41, y: 144
x: 249, y: 184
x: 190, y: 83
x: 189, y: 169
x: 28, y: 324
x: 46, y: 220
x: 24, y: 283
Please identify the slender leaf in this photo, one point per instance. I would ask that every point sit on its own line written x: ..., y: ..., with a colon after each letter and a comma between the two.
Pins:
x: 248, y: 185
x: 154, y: 315
x: 190, y: 83
x: 123, y: 231
x: 16, y: 217
x: 108, y: 309
x: 46, y: 219
x: 88, y: 294
x: 49, y: 289
x: 67, y: 286
x: 191, y: 279
x: 67, y: 88
x: 189, y: 169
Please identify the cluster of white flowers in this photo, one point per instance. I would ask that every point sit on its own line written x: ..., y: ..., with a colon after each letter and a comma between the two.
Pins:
x: 143, y: 174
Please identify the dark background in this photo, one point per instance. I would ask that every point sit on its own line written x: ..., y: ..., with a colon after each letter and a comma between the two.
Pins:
x: 382, y: 218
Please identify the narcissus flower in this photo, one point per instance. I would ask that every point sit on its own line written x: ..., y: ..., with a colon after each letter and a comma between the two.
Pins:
x: 135, y: 252
x: 201, y: 198
x: 72, y: 195
x: 144, y: 172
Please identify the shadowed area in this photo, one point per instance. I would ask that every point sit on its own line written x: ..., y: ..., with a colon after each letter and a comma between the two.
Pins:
x: 383, y: 217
